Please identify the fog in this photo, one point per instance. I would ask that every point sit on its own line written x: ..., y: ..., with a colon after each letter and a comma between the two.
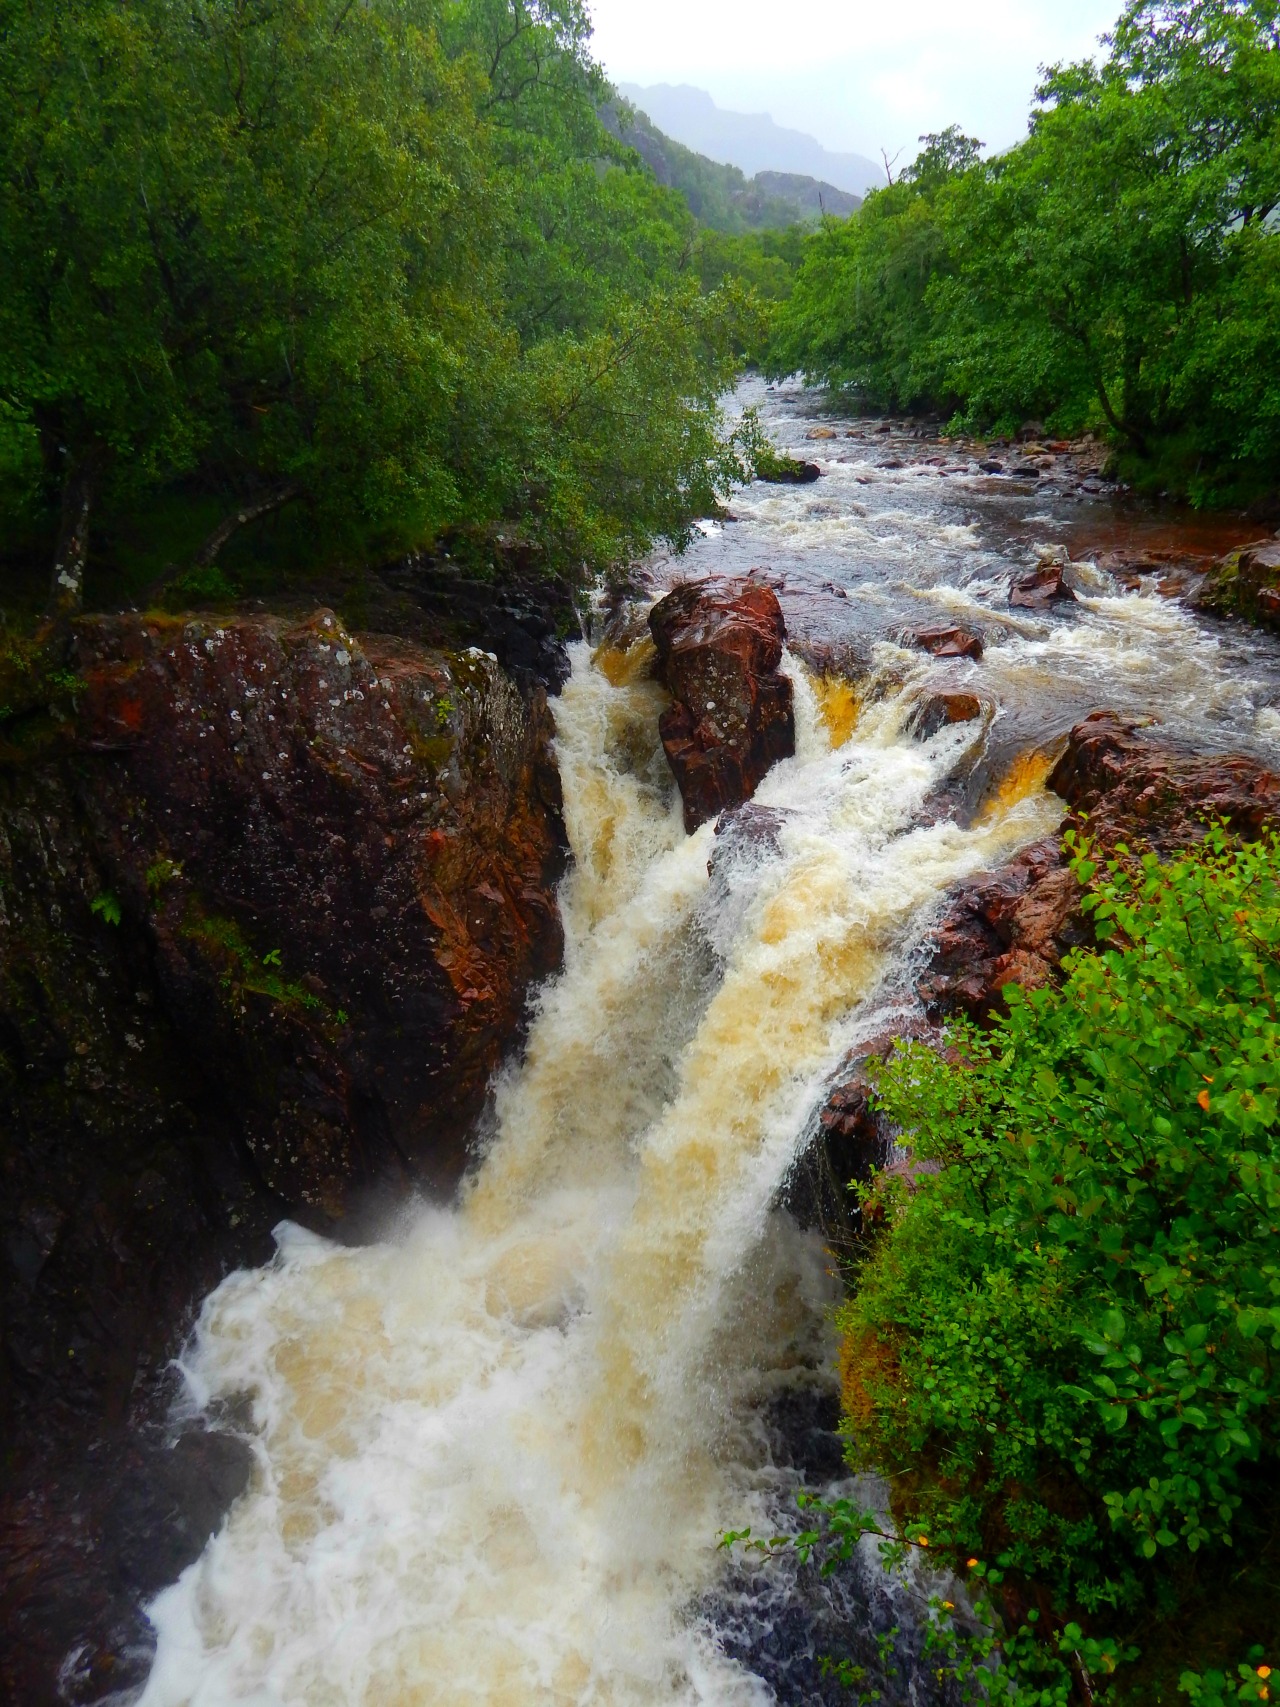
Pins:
x: 854, y: 74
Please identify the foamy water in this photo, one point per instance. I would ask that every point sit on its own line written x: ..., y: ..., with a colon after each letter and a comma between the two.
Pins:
x: 495, y: 1451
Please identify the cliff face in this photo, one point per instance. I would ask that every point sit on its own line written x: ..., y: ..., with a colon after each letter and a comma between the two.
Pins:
x: 270, y: 905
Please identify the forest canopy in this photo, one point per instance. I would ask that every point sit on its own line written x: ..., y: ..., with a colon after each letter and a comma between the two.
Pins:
x: 378, y: 265
x: 1119, y: 269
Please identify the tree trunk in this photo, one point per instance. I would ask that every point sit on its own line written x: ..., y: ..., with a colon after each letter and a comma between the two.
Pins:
x: 66, y: 590
x: 246, y: 513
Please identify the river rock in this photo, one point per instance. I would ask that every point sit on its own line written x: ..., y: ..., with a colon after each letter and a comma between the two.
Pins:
x: 1246, y: 582
x: 788, y: 471
x: 945, y: 640
x: 1014, y: 925
x: 948, y: 707
x: 324, y: 870
x: 341, y: 853
x: 719, y: 644
x: 1041, y: 587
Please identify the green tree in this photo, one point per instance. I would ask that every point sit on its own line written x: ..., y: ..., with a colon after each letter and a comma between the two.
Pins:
x: 1117, y: 268
x: 860, y: 315
x: 331, y: 254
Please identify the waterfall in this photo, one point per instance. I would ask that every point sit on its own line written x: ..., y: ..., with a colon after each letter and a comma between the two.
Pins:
x: 495, y: 1450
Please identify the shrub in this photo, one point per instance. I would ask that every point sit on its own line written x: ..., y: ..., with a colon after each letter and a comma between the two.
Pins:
x: 1062, y: 1349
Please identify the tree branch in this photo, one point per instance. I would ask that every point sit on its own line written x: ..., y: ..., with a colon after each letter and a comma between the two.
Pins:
x: 241, y: 517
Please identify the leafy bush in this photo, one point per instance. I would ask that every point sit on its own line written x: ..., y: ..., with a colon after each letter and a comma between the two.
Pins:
x: 1062, y: 1347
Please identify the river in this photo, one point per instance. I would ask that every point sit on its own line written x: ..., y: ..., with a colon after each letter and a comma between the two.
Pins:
x: 494, y: 1451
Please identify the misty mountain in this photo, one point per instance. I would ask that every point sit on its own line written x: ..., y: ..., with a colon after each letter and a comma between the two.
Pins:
x: 722, y: 196
x: 750, y: 141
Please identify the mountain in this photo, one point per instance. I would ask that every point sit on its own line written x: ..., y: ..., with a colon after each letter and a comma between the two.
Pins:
x: 722, y: 196
x: 750, y: 141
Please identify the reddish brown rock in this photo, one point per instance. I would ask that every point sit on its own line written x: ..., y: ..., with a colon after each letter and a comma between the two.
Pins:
x: 946, y: 640
x: 948, y: 707
x: 342, y: 851
x: 1015, y: 925
x: 719, y: 646
x: 1134, y: 789
x: 1245, y: 583
x: 1040, y: 588
x: 1010, y: 926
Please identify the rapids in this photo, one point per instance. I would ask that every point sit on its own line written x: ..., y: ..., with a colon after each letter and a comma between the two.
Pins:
x: 495, y: 1450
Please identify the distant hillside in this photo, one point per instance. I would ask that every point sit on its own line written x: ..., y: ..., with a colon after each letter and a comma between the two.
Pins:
x: 723, y: 197
x: 750, y: 141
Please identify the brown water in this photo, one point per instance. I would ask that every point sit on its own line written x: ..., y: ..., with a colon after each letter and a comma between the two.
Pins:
x: 494, y: 1451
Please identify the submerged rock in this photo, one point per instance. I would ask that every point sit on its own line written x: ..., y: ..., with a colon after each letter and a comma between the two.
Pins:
x: 270, y: 904
x: 719, y: 645
x: 1246, y: 583
x: 947, y: 707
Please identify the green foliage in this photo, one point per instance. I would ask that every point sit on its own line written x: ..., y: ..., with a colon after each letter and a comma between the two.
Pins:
x: 107, y: 908
x: 1063, y: 1349
x: 1116, y: 269
x: 352, y: 260
x: 246, y: 972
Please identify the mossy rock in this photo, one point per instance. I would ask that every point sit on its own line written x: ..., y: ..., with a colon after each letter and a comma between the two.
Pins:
x: 786, y: 470
x: 1246, y: 583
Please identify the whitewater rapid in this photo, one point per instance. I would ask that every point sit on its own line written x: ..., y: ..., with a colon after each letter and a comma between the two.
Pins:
x: 494, y: 1452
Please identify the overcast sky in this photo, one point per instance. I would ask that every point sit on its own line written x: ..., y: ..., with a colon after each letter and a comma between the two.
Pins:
x: 857, y: 74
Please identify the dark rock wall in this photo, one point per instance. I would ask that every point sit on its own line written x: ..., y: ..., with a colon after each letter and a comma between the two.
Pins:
x: 324, y: 870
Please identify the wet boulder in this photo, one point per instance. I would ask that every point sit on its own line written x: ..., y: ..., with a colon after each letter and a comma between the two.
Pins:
x: 945, y: 640
x: 1133, y: 787
x: 778, y: 470
x: 719, y: 645
x: 1015, y: 924
x: 1010, y: 926
x: 1245, y: 583
x: 947, y: 707
x: 340, y: 851
x: 1042, y: 587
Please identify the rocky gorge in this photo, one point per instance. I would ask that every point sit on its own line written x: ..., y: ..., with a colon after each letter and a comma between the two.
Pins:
x: 272, y: 898
x: 276, y: 892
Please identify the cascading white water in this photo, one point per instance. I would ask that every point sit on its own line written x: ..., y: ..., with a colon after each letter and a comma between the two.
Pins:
x: 494, y: 1451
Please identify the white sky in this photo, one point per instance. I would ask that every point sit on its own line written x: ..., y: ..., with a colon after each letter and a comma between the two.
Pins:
x: 857, y: 74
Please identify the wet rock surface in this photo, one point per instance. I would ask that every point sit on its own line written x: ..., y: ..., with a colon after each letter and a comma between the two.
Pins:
x: 719, y: 645
x: 1041, y: 587
x: 1245, y: 583
x: 945, y: 640
x: 947, y: 707
x: 1014, y: 925
x: 269, y: 909
x: 790, y: 471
